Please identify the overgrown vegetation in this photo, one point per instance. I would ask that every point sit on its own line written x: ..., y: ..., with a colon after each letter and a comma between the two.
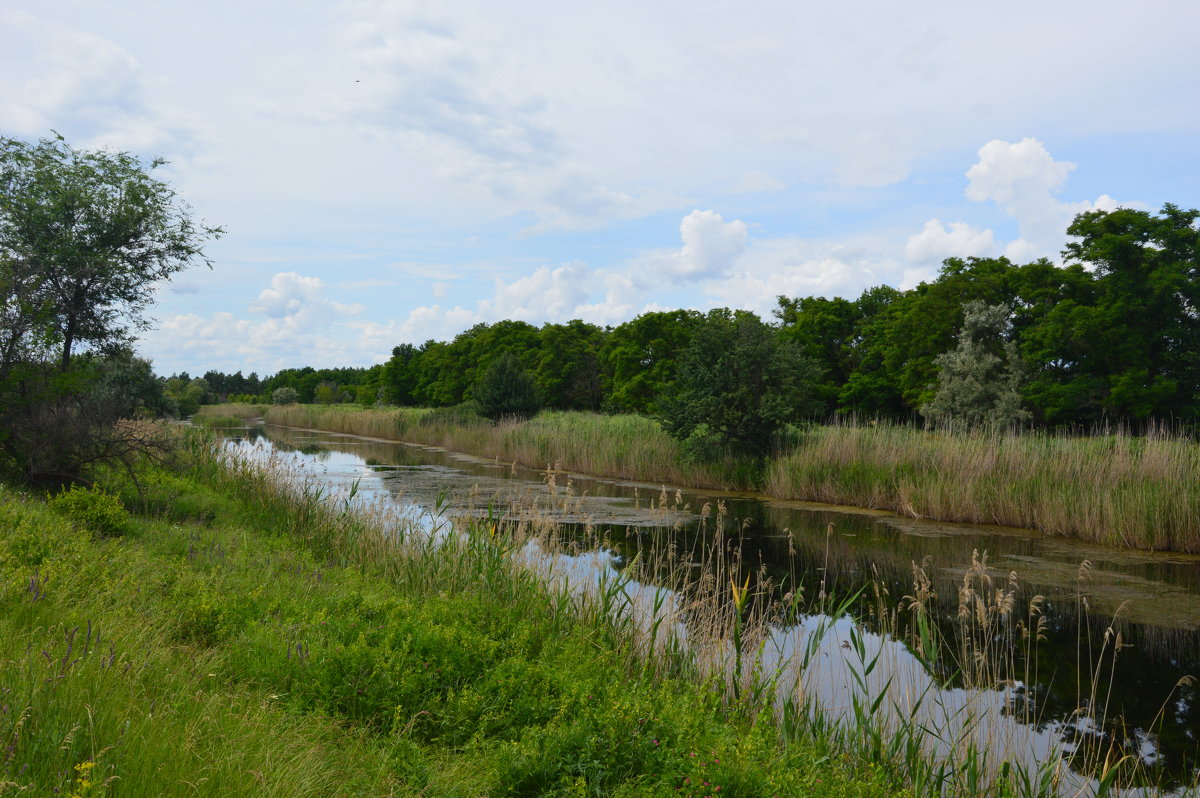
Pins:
x: 1124, y: 490
x: 84, y: 238
x: 242, y: 638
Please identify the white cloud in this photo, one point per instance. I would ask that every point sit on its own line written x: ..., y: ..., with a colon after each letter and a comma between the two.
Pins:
x: 792, y: 267
x: 298, y: 300
x: 710, y: 244
x: 546, y: 295
x: 85, y: 84
x: 936, y: 242
x: 1023, y: 179
x: 301, y: 327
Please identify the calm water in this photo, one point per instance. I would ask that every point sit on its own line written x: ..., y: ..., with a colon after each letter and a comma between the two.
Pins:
x: 803, y: 543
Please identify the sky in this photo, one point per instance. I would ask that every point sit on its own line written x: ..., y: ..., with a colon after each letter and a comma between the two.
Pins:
x: 393, y: 172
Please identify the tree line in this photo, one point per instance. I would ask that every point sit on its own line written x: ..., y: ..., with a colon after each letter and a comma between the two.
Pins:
x: 1112, y: 335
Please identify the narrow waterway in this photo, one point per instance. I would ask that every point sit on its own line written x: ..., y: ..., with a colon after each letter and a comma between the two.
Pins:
x: 1091, y: 593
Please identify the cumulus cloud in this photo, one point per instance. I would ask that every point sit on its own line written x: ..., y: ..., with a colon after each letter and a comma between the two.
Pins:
x: 793, y: 267
x: 546, y: 295
x: 298, y: 300
x: 936, y: 242
x: 1024, y: 180
x: 296, y: 330
x: 710, y: 244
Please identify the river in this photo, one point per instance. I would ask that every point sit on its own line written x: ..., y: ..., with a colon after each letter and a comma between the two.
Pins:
x: 1151, y: 599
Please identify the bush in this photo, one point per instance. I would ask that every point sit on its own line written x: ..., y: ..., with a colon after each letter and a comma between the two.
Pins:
x: 284, y: 396
x: 92, y: 509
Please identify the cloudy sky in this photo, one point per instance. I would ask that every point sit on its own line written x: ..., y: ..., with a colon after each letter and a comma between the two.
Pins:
x: 394, y: 171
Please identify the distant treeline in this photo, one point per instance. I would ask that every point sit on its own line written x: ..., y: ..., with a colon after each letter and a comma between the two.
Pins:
x: 1111, y: 336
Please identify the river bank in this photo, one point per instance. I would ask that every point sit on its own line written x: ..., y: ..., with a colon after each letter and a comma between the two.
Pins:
x: 218, y: 633
x: 1114, y: 489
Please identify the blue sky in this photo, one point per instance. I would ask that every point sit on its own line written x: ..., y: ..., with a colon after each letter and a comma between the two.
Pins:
x: 391, y: 172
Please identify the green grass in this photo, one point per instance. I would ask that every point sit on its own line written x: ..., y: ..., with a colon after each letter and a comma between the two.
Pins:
x: 1123, y: 490
x: 240, y: 639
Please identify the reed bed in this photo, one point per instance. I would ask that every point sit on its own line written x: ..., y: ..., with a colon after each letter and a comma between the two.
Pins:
x: 1133, y: 491
x: 1139, y: 492
x: 628, y: 446
x: 252, y: 633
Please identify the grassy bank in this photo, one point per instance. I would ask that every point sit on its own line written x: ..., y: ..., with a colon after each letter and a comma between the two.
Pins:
x: 621, y: 446
x: 226, y: 636
x: 1139, y: 492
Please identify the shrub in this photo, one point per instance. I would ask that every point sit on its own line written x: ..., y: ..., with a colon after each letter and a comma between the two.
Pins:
x: 284, y: 396
x: 100, y: 513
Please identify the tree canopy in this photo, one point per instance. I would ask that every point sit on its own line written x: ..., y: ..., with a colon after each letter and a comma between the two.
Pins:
x: 84, y: 238
x: 1112, y: 334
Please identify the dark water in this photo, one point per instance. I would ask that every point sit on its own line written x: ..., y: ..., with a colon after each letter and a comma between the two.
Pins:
x: 1152, y: 600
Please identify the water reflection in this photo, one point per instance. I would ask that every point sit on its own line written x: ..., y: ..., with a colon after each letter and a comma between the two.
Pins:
x: 1151, y: 599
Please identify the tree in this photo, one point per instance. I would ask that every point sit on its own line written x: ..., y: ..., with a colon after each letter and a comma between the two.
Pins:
x: 568, y: 365
x: 739, y: 383
x: 979, y: 382
x: 506, y: 390
x: 284, y: 396
x: 85, y: 236
x: 640, y: 359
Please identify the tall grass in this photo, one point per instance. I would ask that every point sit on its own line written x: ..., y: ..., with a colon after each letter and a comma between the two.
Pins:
x: 701, y: 616
x: 1123, y: 490
x: 252, y: 634
x: 629, y: 447
x: 1138, y: 492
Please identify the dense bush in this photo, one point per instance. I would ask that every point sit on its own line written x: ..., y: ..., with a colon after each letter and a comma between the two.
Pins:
x: 92, y: 509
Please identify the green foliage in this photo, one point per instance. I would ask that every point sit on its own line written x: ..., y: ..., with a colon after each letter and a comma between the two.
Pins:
x: 188, y: 395
x: 93, y: 232
x: 979, y: 382
x: 739, y: 383
x: 328, y: 393
x: 284, y: 396
x: 233, y: 658
x: 92, y: 509
x: 507, y: 390
x: 641, y: 359
x: 568, y: 366
x: 84, y: 239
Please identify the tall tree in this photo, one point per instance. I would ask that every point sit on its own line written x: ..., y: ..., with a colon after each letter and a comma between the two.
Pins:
x: 84, y: 238
x: 640, y: 358
x: 94, y: 231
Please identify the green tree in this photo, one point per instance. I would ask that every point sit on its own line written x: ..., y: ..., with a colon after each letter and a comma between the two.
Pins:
x: 327, y: 393
x: 739, y: 383
x: 979, y: 381
x: 640, y: 359
x: 85, y: 237
x: 506, y: 390
x: 399, y: 377
x: 568, y: 365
